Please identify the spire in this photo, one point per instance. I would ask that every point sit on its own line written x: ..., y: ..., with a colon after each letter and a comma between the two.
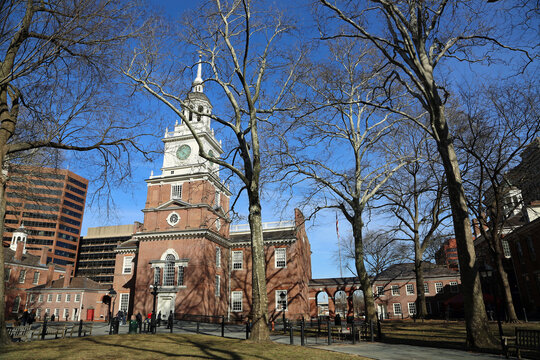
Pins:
x: 197, y: 83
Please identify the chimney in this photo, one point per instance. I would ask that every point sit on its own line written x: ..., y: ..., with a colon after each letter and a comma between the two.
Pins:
x: 19, y: 251
x: 67, y: 276
x: 50, y: 274
x: 43, y: 258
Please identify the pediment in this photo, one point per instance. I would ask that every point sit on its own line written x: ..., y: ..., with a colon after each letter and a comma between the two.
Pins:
x: 172, y: 204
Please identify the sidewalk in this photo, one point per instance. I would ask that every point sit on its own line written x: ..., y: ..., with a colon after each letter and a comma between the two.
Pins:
x: 375, y: 350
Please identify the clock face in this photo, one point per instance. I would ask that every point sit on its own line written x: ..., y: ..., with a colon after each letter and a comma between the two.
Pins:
x: 183, y: 152
x: 173, y: 219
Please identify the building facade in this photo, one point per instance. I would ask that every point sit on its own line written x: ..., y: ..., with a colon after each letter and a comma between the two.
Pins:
x: 448, y: 254
x: 50, y: 204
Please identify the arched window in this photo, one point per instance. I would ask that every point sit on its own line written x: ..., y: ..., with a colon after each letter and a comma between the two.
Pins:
x: 199, y: 109
x: 168, y: 275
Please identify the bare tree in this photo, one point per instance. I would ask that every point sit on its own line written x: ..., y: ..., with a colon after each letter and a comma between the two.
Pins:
x: 244, y: 47
x: 415, y: 37
x: 336, y: 140
x: 55, y: 88
x: 493, y: 129
x: 416, y: 197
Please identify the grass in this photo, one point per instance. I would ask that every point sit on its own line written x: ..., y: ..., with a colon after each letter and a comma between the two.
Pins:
x: 161, y: 346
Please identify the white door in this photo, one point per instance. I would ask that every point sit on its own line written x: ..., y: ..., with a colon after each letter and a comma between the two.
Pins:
x: 165, y: 305
x: 381, y: 310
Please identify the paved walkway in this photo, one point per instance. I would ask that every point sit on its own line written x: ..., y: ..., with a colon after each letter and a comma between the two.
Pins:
x: 376, y: 351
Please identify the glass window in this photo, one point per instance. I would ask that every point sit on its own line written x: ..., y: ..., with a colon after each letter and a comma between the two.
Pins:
x: 438, y: 287
x: 426, y: 288
x: 36, y: 277
x: 395, y: 290
x: 168, y: 274
x: 66, y: 313
x: 68, y: 297
x: 453, y: 286
x: 410, y: 289
x: 128, y: 265
x: 281, y: 300
x: 217, y: 291
x: 176, y: 191
x: 40, y: 298
x: 506, y: 249
x: 77, y: 297
x: 238, y: 259
x: 397, y: 309
x: 16, y: 304
x: 124, y: 302
x: 157, y: 275
x: 180, y: 276
x: 32, y: 297
x: 236, y: 301
x: 412, y: 308
x: 58, y: 297
x: 380, y: 290
x: 217, y: 199
x: 280, y: 257
x: 49, y: 297
x: 38, y: 313
x: 56, y: 313
x: 22, y: 276
x: 218, y: 257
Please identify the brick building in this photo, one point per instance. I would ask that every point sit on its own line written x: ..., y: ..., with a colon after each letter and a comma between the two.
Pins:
x: 24, y: 271
x: 186, y: 246
x: 448, y: 255
x: 50, y: 203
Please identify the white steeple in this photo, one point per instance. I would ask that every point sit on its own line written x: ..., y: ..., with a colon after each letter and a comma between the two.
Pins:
x: 19, y: 236
x: 198, y: 82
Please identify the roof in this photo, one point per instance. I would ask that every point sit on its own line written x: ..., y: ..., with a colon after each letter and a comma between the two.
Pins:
x: 287, y: 234
x: 406, y: 271
x: 27, y: 259
x: 197, y: 96
x: 75, y: 283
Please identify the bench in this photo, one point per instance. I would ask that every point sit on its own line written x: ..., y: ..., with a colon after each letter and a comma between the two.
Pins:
x: 524, y: 339
x: 19, y: 333
x: 56, y: 330
x: 85, y: 329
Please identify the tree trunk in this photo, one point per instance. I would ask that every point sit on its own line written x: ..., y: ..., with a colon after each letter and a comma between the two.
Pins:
x: 363, y: 277
x: 478, y: 335
x: 504, y: 287
x: 259, y: 310
x: 421, y: 308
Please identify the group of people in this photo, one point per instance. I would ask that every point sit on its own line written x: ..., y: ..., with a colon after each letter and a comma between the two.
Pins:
x: 28, y: 317
x: 121, y: 316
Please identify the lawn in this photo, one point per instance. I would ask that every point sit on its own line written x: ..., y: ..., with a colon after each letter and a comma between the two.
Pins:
x: 162, y: 346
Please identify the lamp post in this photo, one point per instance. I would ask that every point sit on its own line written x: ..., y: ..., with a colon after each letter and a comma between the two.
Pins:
x: 112, y: 294
x: 154, y: 291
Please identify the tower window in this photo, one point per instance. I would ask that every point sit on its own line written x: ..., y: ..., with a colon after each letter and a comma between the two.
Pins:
x: 176, y: 191
x: 168, y: 275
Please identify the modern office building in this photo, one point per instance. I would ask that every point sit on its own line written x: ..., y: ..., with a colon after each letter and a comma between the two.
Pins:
x: 49, y: 204
x: 97, y: 254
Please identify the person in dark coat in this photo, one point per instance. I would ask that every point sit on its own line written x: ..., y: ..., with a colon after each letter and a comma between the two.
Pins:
x: 52, y: 317
x: 138, y: 317
x: 24, y: 317
x: 170, y: 320
x: 159, y: 319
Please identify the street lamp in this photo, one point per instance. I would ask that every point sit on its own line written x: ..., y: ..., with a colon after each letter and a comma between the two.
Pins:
x: 112, y: 294
x: 154, y: 291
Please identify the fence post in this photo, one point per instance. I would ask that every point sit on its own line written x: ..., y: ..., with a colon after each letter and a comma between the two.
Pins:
x: 44, y: 330
x: 284, y: 324
x: 302, y: 326
x: 329, y: 331
x: 222, y: 326
x: 197, y: 327
x: 247, y: 330
x: 353, y: 333
x: 318, y: 326
x: 291, y: 333
x: 80, y: 328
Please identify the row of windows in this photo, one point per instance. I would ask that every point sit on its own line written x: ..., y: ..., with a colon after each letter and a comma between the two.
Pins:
x: 76, y: 182
x: 409, y: 289
x: 64, y: 253
x: 43, y: 175
x: 22, y: 276
x: 74, y: 197
x: 67, y: 237
x: 31, y: 206
x: 281, y: 300
x: 39, y: 241
x: 280, y: 259
x: 40, y: 216
x: 70, y: 221
x: 35, y: 198
x: 75, y: 190
x: 66, y: 245
x: 38, y: 182
x: 43, y: 191
x: 97, y: 256
x: 40, y: 233
x: 61, y: 261
x: 75, y: 206
x: 93, y: 272
x: 67, y: 298
x: 13, y: 204
x: 39, y: 224
x: 72, y: 213
x: 68, y: 228
x: 103, y: 263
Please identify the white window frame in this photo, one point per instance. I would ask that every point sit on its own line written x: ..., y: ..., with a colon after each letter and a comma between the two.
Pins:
x: 16, y: 301
x: 49, y: 297
x: 58, y: 297
x: 38, y: 313
x: 181, y: 276
x: 238, y: 259
x: 236, y: 301
x: 157, y: 275
x: 380, y: 290
x: 426, y: 288
x: 66, y: 313
x: 506, y: 249
x: 454, y: 287
x: 217, y: 199
x: 280, y: 258
x: 124, y: 302
x: 57, y: 314
x: 439, y: 287
x: 68, y: 297
x: 35, y: 281
x: 217, y: 291
x: 22, y: 276
x: 395, y: 290
x: 279, y: 303
x: 176, y: 191
x: 397, y: 308
x: 168, y: 270
x: 218, y: 256
x: 409, y: 288
x: 412, y: 308
x: 40, y: 298
x: 47, y: 312
x: 32, y: 298
x: 127, y: 266
x: 77, y: 297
